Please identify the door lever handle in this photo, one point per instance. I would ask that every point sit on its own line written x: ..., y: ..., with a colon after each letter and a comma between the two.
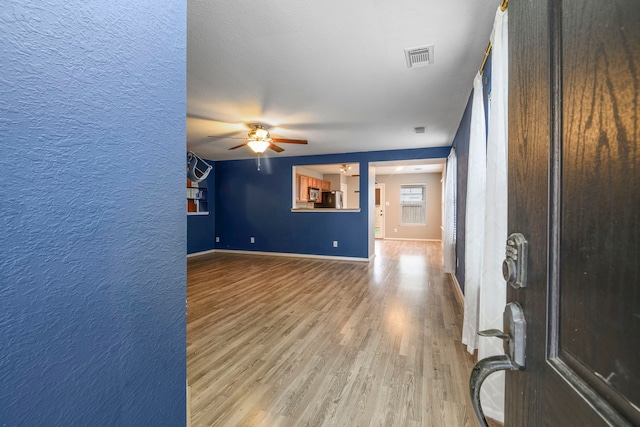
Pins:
x: 494, y: 333
x: 514, y: 337
x: 480, y: 372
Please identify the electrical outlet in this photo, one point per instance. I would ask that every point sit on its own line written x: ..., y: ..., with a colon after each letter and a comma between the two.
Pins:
x: 335, y: 243
x: 217, y: 239
x: 253, y: 240
x: 395, y: 230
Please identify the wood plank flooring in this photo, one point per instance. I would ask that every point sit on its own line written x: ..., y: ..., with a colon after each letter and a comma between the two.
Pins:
x: 274, y: 341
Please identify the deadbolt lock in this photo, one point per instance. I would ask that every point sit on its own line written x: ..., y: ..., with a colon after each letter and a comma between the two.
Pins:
x: 514, y: 266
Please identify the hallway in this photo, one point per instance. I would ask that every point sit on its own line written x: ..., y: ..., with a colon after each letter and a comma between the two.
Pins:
x: 275, y: 341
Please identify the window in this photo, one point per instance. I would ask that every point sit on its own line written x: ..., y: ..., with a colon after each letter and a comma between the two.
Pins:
x: 412, y: 204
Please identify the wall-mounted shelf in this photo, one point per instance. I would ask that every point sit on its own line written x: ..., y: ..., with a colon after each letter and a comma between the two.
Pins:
x: 197, y: 198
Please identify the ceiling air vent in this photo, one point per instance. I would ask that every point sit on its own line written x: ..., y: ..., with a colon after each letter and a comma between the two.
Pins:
x: 419, y: 56
x: 420, y: 129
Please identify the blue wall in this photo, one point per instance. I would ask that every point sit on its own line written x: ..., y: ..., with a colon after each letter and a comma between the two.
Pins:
x: 461, y: 143
x: 92, y: 255
x: 258, y: 203
x: 201, y: 228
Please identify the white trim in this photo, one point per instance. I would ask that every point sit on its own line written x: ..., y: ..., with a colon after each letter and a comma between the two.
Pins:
x: 292, y: 255
x: 197, y: 213
x: 424, y: 205
x: 457, y: 290
x: 188, y: 405
x: 383, y: 207
x: 492, y: 414
x: 413, y: 240
x: 324, y: 210
x: 210, y: 251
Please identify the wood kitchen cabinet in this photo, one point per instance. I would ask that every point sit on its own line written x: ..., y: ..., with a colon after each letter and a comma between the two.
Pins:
x: 303, y: 183
x: 303, y: 188
x: 324, y: 186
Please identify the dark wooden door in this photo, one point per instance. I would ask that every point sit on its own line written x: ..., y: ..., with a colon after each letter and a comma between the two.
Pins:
x: 574, y: 193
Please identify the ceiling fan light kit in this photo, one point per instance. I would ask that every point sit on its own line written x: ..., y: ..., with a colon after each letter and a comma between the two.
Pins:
x: 259, y: 140
x: 258, y: 132
x: 258, y: 145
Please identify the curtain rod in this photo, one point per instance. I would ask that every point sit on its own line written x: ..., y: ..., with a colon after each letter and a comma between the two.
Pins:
x: 503, y: 7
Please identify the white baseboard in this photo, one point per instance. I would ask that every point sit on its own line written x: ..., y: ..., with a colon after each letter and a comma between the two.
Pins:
x: 188, y: 405
x: 195, y: 254
x: 494, y: 415
x: 457, y: 290
x: 412, y: 240
x: 286, y: 254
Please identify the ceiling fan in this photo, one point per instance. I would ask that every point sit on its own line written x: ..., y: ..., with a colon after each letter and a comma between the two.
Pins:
x: 260, y: 139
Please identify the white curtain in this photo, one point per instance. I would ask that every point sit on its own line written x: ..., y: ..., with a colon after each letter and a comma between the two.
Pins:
x: 474, y: 219
x: 451, y: 178
x: 493, y: 289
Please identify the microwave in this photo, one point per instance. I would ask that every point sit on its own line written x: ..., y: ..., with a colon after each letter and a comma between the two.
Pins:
x: 314, y: 194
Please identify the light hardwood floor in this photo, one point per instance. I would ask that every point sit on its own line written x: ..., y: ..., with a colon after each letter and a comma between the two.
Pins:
x: 275, y: 341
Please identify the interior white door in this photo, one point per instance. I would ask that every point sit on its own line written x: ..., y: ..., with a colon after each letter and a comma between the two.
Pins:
x: 380, y: 204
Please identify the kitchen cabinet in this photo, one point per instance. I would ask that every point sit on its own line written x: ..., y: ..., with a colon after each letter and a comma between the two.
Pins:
x: 303, y: 188
x: 324, y: 186
x: 303, y: 183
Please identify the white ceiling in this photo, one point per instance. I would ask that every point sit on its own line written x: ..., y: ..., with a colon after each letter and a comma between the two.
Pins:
x: 409, y: 166
x: 331, y: 72
x: 334, y: 168
x: 384, y: 168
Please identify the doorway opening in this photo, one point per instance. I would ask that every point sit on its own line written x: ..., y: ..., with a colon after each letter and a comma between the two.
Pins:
x: 390, y: 202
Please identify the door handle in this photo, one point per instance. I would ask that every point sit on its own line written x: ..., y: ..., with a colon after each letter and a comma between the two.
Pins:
x: 514, y: 337
x: 480, y: 372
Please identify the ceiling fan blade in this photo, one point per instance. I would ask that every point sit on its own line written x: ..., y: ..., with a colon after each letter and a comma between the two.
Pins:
x: 238, y: 146
x: 290, y: 141
x: 275, y: 148
x: 227, y: 136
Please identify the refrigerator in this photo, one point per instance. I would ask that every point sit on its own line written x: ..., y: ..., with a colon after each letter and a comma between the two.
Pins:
x: 330, y: 199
